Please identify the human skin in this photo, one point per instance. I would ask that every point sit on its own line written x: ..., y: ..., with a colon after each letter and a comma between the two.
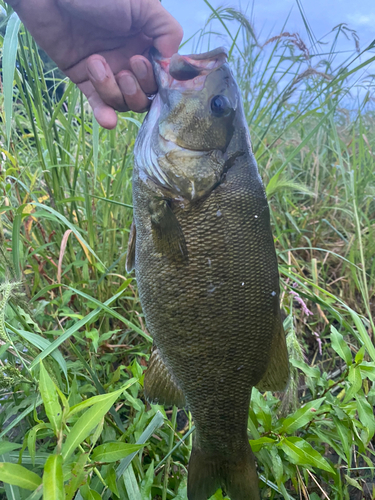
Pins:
x: 101, y: 46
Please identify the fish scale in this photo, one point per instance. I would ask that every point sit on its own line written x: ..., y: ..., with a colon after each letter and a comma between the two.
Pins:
x: 213, y: 313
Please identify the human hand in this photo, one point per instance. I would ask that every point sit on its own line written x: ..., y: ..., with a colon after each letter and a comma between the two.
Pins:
x: 100, y: 46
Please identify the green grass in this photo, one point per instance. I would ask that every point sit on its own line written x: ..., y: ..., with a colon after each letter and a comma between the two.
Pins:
x: 73, y: 342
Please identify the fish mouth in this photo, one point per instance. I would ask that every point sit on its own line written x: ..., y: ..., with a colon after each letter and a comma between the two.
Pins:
x: 186, y: 72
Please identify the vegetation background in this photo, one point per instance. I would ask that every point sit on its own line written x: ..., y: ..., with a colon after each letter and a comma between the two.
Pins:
x: 73, y: 343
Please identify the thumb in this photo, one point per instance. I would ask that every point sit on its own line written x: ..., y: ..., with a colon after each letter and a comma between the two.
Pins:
x: 163, y: 28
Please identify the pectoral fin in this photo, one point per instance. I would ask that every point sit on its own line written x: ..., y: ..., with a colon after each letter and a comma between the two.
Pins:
x: 167, y: 234
x: 130, y: 257
x: 277, y: 374
x: 159, y: 384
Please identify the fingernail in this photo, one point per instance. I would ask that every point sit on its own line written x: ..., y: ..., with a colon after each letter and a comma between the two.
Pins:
x: 97, y: 70
x: 128, y: 85
x: 140, y: 69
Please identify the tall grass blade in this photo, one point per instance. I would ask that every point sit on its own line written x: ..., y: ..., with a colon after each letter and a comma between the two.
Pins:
x: 9, y: 64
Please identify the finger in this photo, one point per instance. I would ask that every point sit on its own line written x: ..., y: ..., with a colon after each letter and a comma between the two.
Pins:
x: 104, y: 82
x: 134, y: 96
x: 163, y: 28
x: 142, y: 69
x: 104, y: 114
x: 117, y: 59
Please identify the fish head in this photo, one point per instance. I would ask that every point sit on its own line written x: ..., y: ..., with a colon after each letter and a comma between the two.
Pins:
x: 199, y: 99
x: 183, y: 146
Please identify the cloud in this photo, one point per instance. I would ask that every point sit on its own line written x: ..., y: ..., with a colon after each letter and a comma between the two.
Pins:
x: 361, y: 19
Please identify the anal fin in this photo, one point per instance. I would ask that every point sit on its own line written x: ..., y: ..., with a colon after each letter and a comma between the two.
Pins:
x: 277, y: 374
x: 159, y: 384
x: 130, y: 257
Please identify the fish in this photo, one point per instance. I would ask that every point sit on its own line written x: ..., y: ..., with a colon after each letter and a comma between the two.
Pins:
x: 206, y: 267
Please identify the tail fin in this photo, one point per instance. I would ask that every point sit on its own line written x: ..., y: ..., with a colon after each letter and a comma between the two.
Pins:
x: 236, y: 474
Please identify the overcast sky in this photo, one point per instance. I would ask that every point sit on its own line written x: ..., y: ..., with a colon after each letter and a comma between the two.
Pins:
x: 270, y: 15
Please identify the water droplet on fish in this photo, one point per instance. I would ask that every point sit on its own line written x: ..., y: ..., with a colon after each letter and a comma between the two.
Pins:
x: 209, y: 262
x: 218, y: 213
x: 211, y: 288
x: 255, y: 216
x: 273, y: 294
x: 242, y: 284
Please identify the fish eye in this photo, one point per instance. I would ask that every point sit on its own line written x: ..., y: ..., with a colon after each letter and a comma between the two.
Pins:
x: 220, y: 106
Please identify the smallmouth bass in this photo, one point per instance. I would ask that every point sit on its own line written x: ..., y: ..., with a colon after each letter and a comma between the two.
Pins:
x: 206, y: 268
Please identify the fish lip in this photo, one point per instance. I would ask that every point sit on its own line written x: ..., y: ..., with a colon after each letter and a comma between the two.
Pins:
x: 173, y: 71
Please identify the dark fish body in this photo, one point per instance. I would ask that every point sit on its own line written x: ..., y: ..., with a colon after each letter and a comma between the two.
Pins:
x: 207, y: 273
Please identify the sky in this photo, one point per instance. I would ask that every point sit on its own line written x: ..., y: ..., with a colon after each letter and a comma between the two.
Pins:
x: 269, y: 16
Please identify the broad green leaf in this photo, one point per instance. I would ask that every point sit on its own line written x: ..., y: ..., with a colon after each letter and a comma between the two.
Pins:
x: 314, y: 496
x: 94, y: 495
x: 110, y: 479
x: 365, y: 413
x: 131, y: 484
x: 50, y: 399
x: 310, y: 371
x: 340, y: 346
x: 218, y: 495
x: 360, y: 354
x: 19, y: 476
x: 78, y: 476
x: 112, y: 452
x: 96, y: 399
x: 147, y: 482
x: 12, y: 492
x: 181, y: 493
x: 6, y: 447
x: 355, y: 380
x: 261, y: 410
x: 329, y: 437
x: 97, y: 433
x: 257, y: 444
x: 89, y: 494
x: 277, y: 466
x: 345, y: 436
x: 301, y: 417
x: 53, y: 482
x: 31, y: 439
x: 87, y: 422
x: 368, y: 370
x: 353, y: 482
x: 134, y: 403
x: 302, y: 453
